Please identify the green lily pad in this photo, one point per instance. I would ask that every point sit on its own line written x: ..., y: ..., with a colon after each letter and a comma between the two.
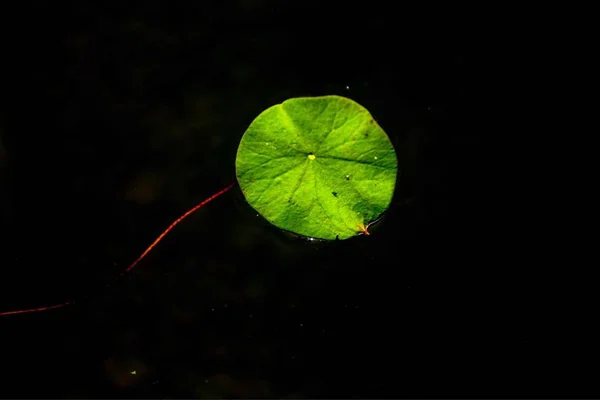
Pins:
x: 317, y: 166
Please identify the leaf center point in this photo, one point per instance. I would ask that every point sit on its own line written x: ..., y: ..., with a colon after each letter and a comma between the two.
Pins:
x: 311, y: 156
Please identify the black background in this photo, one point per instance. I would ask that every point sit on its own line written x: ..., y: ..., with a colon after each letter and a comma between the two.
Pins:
x: 117, y: 119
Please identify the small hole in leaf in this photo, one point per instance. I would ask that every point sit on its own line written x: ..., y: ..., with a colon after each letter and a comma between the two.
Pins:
x: 334, y: 194
x: 347, y: 177
x: 367, y: 134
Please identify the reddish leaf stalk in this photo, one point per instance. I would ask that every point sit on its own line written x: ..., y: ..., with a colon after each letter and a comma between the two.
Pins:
x: 141, y: 257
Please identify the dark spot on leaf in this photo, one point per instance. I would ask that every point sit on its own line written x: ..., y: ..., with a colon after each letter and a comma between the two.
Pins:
x: 334, y: 193
x: 347, y: 177
x: 366, y: 134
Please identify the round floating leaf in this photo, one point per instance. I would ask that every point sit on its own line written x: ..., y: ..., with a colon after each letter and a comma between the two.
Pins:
x: 317, y: 166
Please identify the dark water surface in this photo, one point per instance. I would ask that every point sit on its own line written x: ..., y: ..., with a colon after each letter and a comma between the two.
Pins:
x: 118, y: 120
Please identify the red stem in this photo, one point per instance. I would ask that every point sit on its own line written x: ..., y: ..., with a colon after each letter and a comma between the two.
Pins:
x: 141, y: 257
